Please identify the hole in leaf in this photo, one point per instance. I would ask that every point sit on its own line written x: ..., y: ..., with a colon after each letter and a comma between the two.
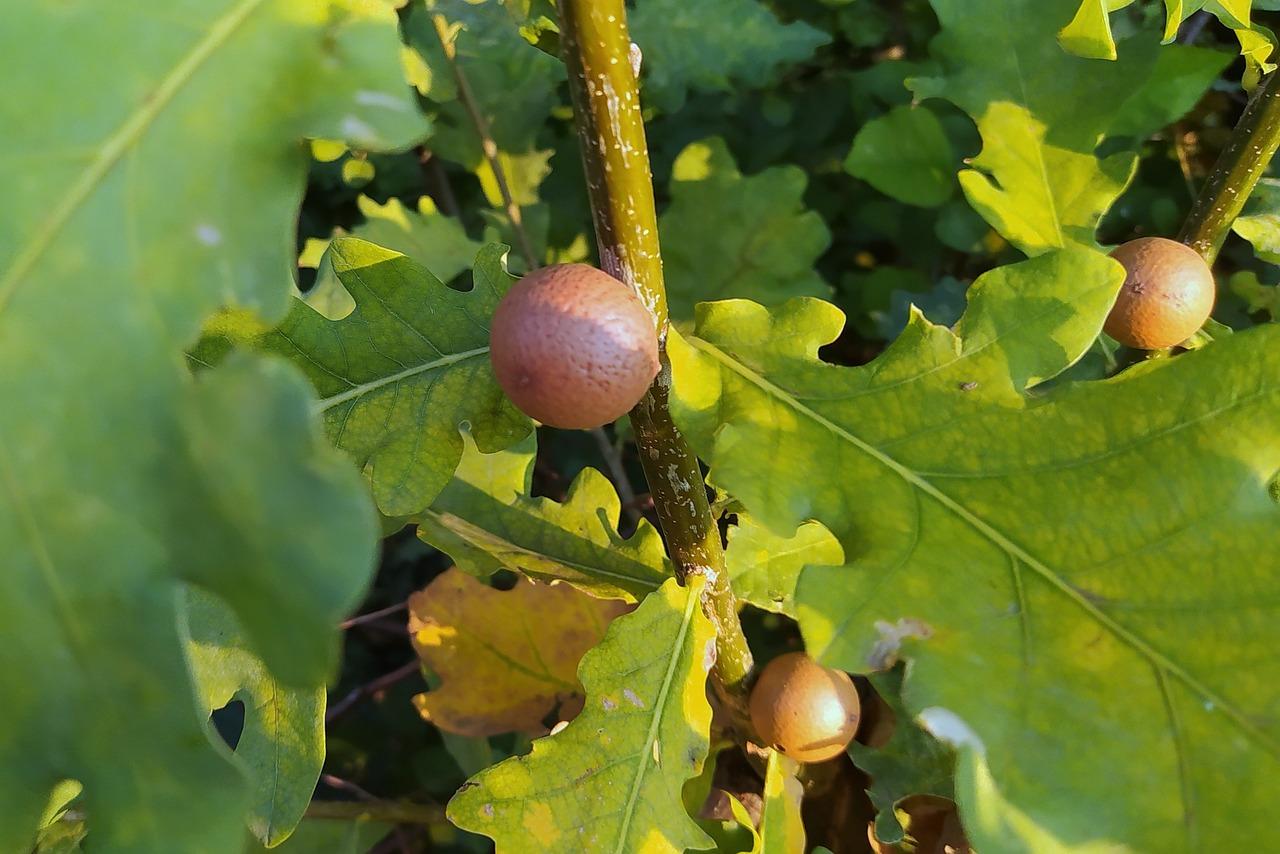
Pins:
x: 228, y: 722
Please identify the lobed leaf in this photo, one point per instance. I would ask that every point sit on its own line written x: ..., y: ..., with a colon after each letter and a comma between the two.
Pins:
x: 763, y: 566
x: 911, y: 762
x: 729, y: 235
x: 282, y: 743
x: 507, y: 658
x: 1042, y: 114
x: 425, y: 235
x: 712, y: 44
x: 121, y: 476
x: 486, y: 520
x: 405, y: 371
x: 905, y: 154
x: 1051, y: 565
x: 611, y: 780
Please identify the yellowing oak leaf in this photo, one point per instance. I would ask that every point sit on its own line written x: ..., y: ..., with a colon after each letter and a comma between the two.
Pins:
x: 506, y: 658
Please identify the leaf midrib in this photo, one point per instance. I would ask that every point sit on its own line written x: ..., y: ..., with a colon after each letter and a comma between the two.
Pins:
x: 115, y: 146
x: 361, y: 389
x: 996, y: 537
x: 465, y: 529
x: 655, y: 723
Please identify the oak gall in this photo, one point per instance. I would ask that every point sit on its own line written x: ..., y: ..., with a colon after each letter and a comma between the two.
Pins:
x: 1167, y: 294
x: 573, y: 347
x: 807, y: 711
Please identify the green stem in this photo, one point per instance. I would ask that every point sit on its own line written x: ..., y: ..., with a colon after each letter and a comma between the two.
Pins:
x: 606, y: 106
x: 1241, y: 164
x: 393, y: 812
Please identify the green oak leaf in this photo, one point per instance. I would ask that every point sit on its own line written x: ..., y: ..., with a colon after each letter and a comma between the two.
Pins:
x: 282, y: 744
x: 122, y: 476
x: 329, y: 836
x: 712, y: 45
x: 405, y: 370
x: 911, y: 762
x: 905, y: 154
x: 1051, y: 564
x: 486, y: 520
x: 730, y: 235
x: 434, y: 240
x: 1089, y: 32
x: 1260, y: 222
x: 1042, y: 113
x: 763, y: 566
x: 512, y: 82
x: 612, y: 779
x: 781, y: 827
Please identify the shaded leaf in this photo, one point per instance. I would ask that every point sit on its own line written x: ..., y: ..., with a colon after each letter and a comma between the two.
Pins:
x: 486, y: 520
x: 282, y: 743
x: 1039, y: 548
x: 513, y: 83
x: 763, y: 567
x: 730, y: 235
x: 409, y: 366
x: 711, y: 45
x: 507, y: 658
x: 120, y: 475
x: 330, y: 836
x: 911, y: 762
x: 905, y: 154
x: 1043, y: 112
x: 612, y: 779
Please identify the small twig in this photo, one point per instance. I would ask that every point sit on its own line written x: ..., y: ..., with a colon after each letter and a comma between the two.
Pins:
x: 382, y: 683
x: 1192, y: 27
x: 446, y: 201
x: 391, y: 811
x: 372, y: 616
x: 335, y: 782
x: 487, y: 145
x: 618, y: 471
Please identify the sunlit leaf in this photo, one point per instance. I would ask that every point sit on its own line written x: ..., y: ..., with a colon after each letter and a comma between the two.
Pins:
x: 611, y: 780
x: 486, y: 520
x: 401, y: 375
x: 1050, y: 564
x: 507, y: 658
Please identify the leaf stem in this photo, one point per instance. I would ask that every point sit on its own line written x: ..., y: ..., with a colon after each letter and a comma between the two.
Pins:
x: 606, y: 106
x: 1236, y: 173
x: 487, y: 145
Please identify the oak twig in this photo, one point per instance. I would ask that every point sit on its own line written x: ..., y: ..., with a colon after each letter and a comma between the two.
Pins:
x: 382, y: 683
x: 1236, y: 173
x: 606, y: 105
x: 487, y: 145
x: 396, y: 812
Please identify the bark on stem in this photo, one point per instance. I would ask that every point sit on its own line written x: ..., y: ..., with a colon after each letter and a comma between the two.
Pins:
x: 606, y: 106
x: 1236, y: 173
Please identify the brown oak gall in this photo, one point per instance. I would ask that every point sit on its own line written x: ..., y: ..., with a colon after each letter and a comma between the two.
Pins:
x: 1167, y: 294
x: 807, y: 711
x: 573, y: 347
